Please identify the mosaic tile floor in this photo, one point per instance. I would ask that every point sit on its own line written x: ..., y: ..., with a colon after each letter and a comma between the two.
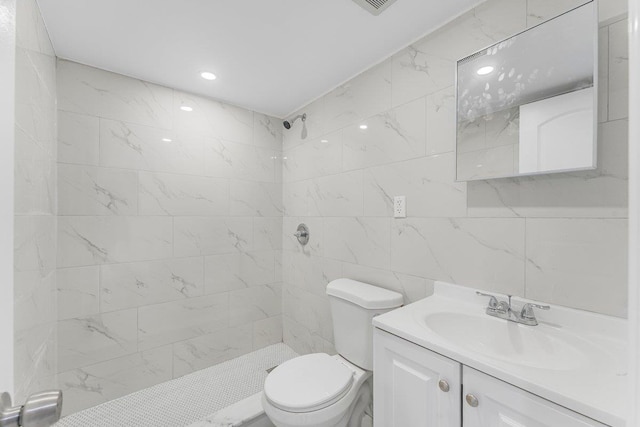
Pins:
x: 185, y: 400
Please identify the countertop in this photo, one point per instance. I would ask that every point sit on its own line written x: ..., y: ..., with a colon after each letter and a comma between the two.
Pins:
x: 597, y: 390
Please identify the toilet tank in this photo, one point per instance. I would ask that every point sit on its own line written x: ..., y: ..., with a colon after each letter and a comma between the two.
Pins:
x: 353, y: 306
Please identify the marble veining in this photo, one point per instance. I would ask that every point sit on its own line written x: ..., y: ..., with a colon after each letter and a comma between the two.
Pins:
x: 358, y: 240
x: 267, y: 131
x: 398, y: 134
x: 78, y: 292
x: 441, y: 126
x: 156, y: 401
x: 86, y: 340
x: 99, y: 253
x: 318, y: 157
x: 421, y: 181
x: 169, y: 234
x: 87, y: 190
x: 35, y: 206
x: 478, y: 233
x: 224, y: 159
x: 258, y: 199
x: 143, y: 283
x: 102, y: 382
x: 239, y: 270
x: 182, y: 195
x: 200, y: 236
x: 100, y: 93
x: 175, y: 321
x: 207, y: 350
x: 130, y: 146
x: 417, y: 73
x: 214, y: 118
x: 175, y: 255
x: 359, y: 98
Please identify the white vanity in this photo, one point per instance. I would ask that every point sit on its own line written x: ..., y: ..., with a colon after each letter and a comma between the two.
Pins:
x: 443, y: 361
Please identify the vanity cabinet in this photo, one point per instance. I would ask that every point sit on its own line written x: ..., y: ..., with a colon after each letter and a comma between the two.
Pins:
x: 501, y: 404
x: 415, y: 387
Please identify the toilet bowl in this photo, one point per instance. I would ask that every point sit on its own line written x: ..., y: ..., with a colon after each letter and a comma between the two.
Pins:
x: 317, y: 390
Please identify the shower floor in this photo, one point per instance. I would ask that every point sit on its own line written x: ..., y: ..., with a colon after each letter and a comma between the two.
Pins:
x: 187, y: 399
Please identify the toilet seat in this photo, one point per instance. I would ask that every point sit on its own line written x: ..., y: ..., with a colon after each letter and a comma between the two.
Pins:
x: 336, y: 411
x: 308, y: 383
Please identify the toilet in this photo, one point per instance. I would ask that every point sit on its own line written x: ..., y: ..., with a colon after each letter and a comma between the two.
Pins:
x: 319, y: 390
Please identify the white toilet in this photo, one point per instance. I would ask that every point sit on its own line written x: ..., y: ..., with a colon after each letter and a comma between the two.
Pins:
x: 318, y: 390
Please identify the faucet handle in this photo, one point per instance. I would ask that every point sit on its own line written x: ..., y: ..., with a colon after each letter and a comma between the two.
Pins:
x: 527, y: 310
x: 493, y: 301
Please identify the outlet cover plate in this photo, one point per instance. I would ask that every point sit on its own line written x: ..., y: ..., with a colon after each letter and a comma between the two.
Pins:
x: 400, y: 207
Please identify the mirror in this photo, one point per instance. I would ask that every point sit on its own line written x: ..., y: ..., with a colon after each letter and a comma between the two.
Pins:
x: 528, y: 105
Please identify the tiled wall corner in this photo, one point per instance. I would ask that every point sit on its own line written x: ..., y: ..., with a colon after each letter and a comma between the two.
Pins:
x: 35, y: 205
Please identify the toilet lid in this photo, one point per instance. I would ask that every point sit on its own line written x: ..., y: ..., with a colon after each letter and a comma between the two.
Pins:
x: 308, y: 383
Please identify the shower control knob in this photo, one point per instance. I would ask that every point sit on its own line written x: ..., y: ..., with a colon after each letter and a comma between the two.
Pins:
x: 444, y: 386
x: 302, y: 234
x: 472, y: 400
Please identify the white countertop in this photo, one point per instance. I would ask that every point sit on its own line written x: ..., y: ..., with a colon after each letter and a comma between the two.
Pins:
x: 597, y: 390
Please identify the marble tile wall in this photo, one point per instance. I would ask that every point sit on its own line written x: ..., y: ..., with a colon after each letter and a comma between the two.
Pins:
x: 557, y: 238
x: 35, y: 310
x: 138, y: 260
x: 169, y: 252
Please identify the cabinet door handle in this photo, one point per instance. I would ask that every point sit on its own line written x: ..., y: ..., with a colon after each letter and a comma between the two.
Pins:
x: 444, y: 386
x: 472, y: 400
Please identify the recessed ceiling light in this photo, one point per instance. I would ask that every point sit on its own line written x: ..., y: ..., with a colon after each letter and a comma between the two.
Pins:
x: 166, y: 140
x: 324, y: 141
x: 208, y: 75
x: 483, y: 71
x: 186, y: 108
x: 363, y: 127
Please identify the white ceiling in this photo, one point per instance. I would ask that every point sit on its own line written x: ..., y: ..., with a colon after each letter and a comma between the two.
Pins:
x: 272, y: 56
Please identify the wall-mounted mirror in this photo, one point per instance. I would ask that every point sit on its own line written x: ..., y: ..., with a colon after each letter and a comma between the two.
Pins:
x: 528, y: 105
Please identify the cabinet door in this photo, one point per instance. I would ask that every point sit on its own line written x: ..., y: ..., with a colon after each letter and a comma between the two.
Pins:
x: 406, y: 389
x: 502, y: 405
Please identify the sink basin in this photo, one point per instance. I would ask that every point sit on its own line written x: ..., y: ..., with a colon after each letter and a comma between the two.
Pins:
x: 542, y: 346
x: 575, y: 358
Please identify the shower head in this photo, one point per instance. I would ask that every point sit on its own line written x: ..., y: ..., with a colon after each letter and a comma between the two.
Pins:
x: 288, y: 123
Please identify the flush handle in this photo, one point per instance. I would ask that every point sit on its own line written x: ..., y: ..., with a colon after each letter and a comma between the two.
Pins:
x: 444, y: 386
x: 472, y: 400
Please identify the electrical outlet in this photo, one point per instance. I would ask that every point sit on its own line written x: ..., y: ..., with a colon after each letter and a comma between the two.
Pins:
x: 399, y: 207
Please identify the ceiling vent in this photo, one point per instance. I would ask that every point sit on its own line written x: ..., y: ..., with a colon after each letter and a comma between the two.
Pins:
x: 376, y: 7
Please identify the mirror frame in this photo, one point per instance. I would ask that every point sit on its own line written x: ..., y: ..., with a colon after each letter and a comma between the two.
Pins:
x: 595, y: 26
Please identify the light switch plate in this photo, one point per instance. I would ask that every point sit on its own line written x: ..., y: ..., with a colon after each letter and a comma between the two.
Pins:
x: 400, y: 207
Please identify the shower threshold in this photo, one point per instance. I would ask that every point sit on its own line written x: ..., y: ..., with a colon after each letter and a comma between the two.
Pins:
x: 193, y: 399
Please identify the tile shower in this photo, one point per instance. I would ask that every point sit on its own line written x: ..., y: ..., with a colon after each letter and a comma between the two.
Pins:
x: 152, y: 242
x: 168, y: 233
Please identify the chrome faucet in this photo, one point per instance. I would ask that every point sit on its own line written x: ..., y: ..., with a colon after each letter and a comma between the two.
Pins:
x: 504, y: 310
